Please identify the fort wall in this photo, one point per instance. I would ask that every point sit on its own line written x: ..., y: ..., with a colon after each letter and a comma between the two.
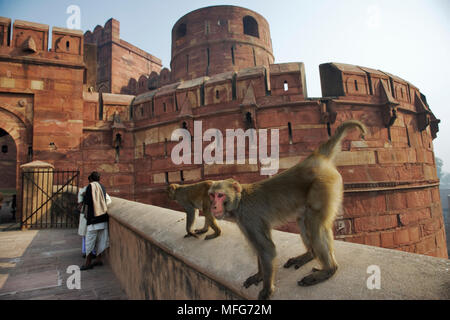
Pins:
x: 48, y: 107
x: 119, y: 64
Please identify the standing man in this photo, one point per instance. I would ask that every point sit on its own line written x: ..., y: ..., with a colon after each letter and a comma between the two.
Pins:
x: 97, y: 236
x: 82, y: 227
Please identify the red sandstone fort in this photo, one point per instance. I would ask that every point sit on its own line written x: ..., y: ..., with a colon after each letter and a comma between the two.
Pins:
x: 93, y: 101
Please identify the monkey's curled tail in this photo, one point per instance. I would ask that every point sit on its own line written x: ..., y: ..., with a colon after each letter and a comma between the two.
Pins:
x: 333, y: 145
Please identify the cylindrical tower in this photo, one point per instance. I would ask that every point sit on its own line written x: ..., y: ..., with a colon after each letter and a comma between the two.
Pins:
x: 219, y: 39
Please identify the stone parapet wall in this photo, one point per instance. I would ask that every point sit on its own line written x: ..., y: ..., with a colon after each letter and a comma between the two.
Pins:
x: 152, y: 260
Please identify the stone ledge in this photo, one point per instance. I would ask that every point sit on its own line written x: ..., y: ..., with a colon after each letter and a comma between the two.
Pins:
x: 227, y: 261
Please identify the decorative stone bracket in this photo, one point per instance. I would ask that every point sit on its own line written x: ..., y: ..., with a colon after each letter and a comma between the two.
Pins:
x: 425, y: 117
x: 389, y: 111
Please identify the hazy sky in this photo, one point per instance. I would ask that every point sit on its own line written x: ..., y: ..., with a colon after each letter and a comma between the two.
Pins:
x: 410, y: 39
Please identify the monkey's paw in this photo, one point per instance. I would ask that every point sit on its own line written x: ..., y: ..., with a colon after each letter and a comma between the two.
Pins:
x: 254, y: 279
x: 299, y: 261
x: 265, y: 294
x: 200, y: 231
x: 190, y: 234
x: 316, y: 277
x: 211, y: 236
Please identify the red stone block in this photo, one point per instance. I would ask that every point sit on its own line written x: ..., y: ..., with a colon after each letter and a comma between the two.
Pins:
x: 430, y: 227
x: 373, y: 239
x: 435, y: 196
x: 355, y: 239
x: 401, y: 237
x: 387, y: 239
x: 414, y: 234
x: 362, y: 204
x: 410, y: 248
x: 440, y: 239
x: 436, y: 210
x: 396, y: 201
x: 424, y: 214
x: 373, y: 223
x: 383, y: 173
x: 418, y: 198
x: 408, y: 218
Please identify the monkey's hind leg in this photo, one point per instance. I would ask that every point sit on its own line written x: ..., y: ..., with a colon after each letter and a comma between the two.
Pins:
x: 322, y: 244
x: 302, y: 259
x: 207, y: 223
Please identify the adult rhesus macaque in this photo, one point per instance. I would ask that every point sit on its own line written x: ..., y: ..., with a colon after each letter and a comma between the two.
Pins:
x: 193, y: 197
x: 311, y: 191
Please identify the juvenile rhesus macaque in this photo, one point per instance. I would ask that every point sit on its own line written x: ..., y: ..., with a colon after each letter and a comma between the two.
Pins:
x: 193, y: 197
x: 311, y: 192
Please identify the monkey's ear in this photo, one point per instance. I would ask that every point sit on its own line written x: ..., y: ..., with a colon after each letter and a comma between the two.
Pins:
x: 209, y: 183
x: 173, y: 187
x: 237, y: 187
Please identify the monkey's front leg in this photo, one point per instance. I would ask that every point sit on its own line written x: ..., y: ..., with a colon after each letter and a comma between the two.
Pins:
x: 265, y: 274
x: 190, y: 219
x: 254, y: 279
x: 267, y: 277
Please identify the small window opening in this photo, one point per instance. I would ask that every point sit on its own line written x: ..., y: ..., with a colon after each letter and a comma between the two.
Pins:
x: 356, y: 85
x: 184, y: 125
x: 250, y: 26
x: 249, y: 121
x: 143, y: 149
x: 232, y: 55
x: 407, y: 136
x: 4, y: 149
x: 181, y: 175
x: 286, y: 86
x: 165, y: 147
x: 181, y: 31
x: 67, y: 45
x: 290, y: 132
x: 164, y: 107
x: 217, y: 94
x: 167, y: 177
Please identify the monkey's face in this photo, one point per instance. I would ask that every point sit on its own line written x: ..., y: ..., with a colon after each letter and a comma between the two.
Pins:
x: 224, y: 196
x: 171, y: 191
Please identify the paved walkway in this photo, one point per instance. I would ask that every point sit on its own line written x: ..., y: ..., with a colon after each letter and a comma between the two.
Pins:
x: 34, y: 265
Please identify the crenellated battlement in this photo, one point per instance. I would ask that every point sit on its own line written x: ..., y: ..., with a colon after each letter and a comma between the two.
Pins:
x: 31, y: 40
x: 125, y: 68
x: 362, y: 84
x: 101, y: 35
x: 282, y: 83
x: 365, y: 84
